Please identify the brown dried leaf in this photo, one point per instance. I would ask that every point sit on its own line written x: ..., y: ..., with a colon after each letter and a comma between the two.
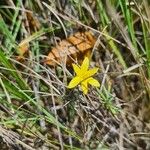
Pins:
x: 76, y: 46
x: 23, y: 48
x: 33, y: 21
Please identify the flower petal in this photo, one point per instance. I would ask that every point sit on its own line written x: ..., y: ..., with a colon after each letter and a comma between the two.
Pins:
x: 93, y: 82
x: 90, y: 73
x: 76, y: 69
x: 85, y: 65
x: 84, y: 86
x: 74, y: 82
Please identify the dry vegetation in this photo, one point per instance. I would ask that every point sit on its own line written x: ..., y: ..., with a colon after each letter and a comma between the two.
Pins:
x: 37, y: 109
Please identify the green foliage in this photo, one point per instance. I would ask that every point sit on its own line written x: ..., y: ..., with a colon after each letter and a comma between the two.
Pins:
x: 33, y: 97
x: 108, y: 101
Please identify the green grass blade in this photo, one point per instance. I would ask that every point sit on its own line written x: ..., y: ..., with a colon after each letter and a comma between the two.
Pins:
x: 105, y: 21
x: 5, y: 31
x: 12, y: 71
x: 12, y: 88
x: 125, y: 7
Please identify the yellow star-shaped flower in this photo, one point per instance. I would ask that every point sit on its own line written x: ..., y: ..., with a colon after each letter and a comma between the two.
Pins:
x: 84, y: 76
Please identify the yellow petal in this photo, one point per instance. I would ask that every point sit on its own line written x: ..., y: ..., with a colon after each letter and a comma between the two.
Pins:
x: 76, y: 69
x: 84, y: 87
x: 93, y: 82
x: 74, y: 82
x: 90, y: 73
x: 85, y: 65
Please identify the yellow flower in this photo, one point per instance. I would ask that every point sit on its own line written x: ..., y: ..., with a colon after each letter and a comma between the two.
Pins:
x: 84, y: 76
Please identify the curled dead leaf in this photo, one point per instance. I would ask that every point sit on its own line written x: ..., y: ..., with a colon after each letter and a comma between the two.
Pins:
x: 22, y: 50
x: 33, y: 21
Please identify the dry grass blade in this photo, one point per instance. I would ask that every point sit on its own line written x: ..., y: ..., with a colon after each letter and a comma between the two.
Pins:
x: 42, y: 105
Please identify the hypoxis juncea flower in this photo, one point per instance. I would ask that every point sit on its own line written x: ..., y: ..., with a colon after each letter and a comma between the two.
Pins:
x: 84, y: 76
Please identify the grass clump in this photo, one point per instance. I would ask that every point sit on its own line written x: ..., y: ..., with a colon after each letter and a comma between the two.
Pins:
x: 37, y: 109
